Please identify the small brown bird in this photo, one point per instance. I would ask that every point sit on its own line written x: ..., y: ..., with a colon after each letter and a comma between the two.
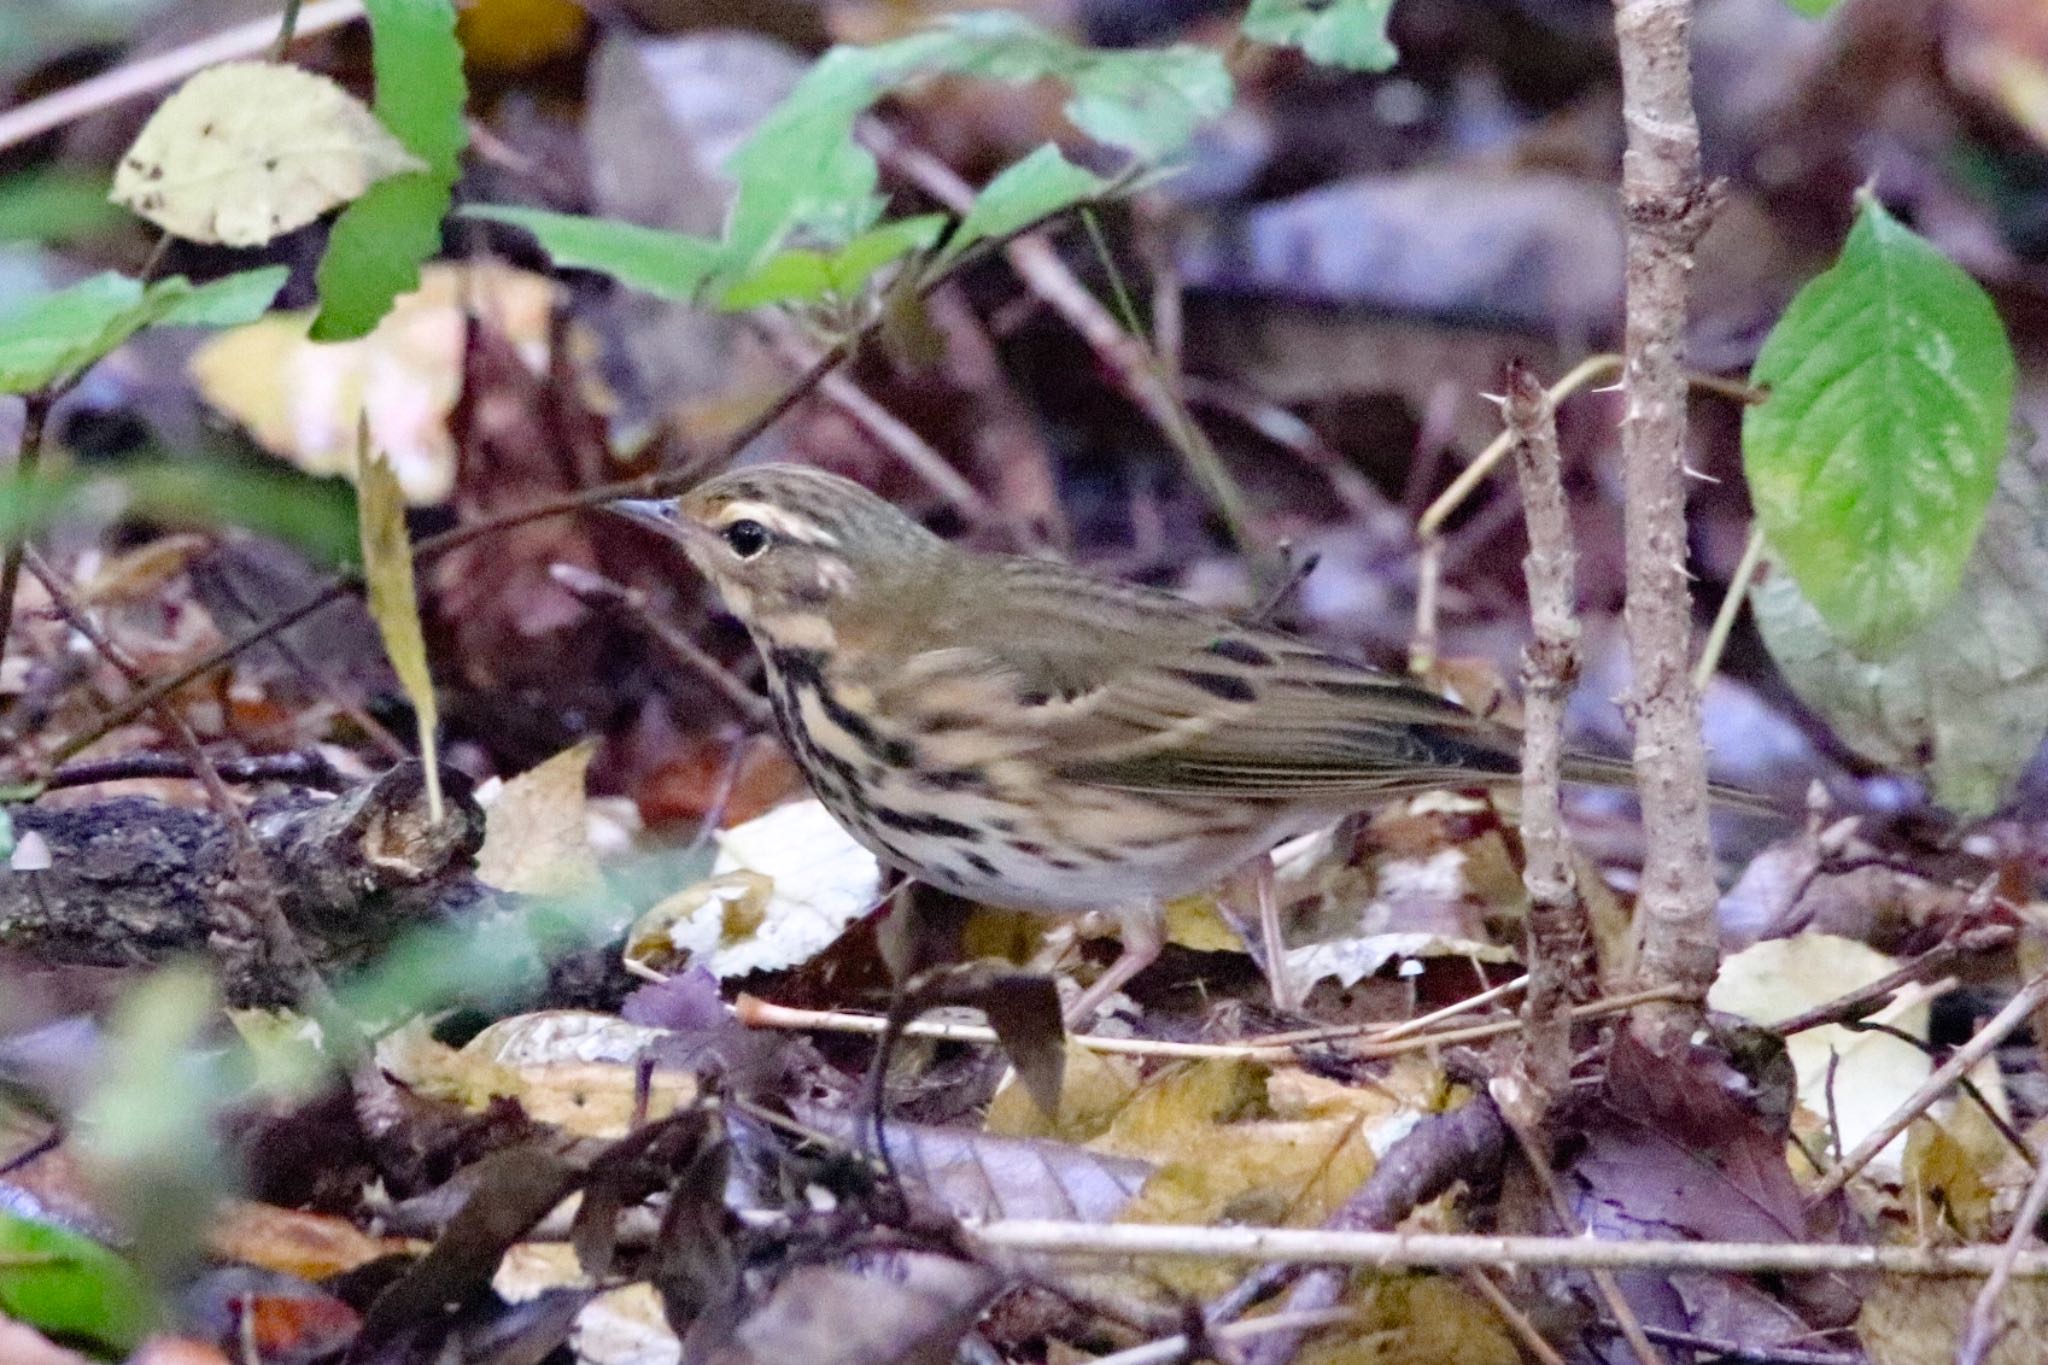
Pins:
x: 1029, y: 735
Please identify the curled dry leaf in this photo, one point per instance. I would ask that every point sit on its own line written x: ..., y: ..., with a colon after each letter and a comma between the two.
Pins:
x: 785, y: 886
x: 247, y: 151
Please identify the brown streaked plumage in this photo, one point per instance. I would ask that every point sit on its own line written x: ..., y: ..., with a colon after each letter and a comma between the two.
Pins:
x: 1028, y: 734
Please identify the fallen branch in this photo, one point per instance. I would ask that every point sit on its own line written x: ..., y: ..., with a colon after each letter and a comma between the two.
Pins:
x: 134, y: 882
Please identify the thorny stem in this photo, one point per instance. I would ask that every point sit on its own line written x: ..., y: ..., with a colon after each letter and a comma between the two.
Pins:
x: 1666, y: 206
x: 1560, y: 939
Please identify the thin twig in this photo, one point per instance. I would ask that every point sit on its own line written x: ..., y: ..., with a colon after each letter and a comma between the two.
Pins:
x: 1533, y: 1342
x: 1866, y: 999
x: 140, y: 77
x: 1979, y: 1047
x: 1730, y: 1353
x: 1173, y: 1349
x: 302, y: 769
x: 1560, y: 936
x: 1122, y: 351
x: 287, y: 30
x: 1731, y: 609
x: 662, y: 483
x: 1381, y: 1033
x: 1410, y: 1250
x: 1986, y: 1324
x: 1535, y: 1151
x: 886, y: 429
x: 594, y: 588
x: 757, y: 1013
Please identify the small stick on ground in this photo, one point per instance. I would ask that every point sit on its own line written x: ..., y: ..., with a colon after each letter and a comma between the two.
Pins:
x: 1464, y: 1145
x: 35, y: 416
x: 1560, y: 938
x: 303, y: 770
x: 595, y: 589
x: 1979, y: 1047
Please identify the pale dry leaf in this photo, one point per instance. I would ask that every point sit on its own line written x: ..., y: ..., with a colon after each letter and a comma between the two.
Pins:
x: 537, y: 831
x: 1871, y: 1073
x: 785, y: 886
x: 244, y: 152
x: 301, y: 400
x: 623, y: 1327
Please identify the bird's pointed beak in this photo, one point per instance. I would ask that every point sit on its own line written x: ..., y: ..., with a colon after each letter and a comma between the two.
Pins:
x: 657, y: 514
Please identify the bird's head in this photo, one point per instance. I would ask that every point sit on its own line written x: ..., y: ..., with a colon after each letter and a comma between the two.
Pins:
x: 786, y: 544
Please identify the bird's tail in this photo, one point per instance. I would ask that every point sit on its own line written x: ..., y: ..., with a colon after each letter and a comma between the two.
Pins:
x: 1599, y: 771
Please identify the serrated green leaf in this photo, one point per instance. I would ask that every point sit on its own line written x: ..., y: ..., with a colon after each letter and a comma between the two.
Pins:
x: 1964, y: 699
x: 1876, y: 453
x: 671, y: 265
x: 375, y: 252
x: 420, y: 87
x: 1351, y: 34
x: 1042, y: 184
x: 380, y: 241
x: 797, y: 275
x: 61, y: 334
x: 804, y: 181
x: 70, y: 1286
x: 393, y: 601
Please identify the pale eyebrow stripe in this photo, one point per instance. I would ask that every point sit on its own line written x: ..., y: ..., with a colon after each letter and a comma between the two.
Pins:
x: 777, y: 519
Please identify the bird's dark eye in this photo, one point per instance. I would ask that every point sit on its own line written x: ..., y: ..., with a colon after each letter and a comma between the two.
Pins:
x: 747, y: 538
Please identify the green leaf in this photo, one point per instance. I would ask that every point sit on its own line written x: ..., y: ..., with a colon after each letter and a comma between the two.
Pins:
x: 1042, y: 184
x: 375, y: 252
x: 54, y: 206
x: 69, y: 1286
x: 672, y: 265
x: 146, y: 1132
x: 798, y: 275
x: 1963, y: 699
x: 226, y: 302
x: 1813, y: 9
x: 1876, y: 453
x: 316, y: 515
x: 1351, y: 34
x: 61, y: 334
x: 380, y: 240
x: 420, y: 87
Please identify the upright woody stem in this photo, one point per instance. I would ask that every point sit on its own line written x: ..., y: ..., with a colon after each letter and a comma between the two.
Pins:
x: 1665, y: 206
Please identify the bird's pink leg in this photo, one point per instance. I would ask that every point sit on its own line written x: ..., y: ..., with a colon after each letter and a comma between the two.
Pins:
x: 1143, y: 930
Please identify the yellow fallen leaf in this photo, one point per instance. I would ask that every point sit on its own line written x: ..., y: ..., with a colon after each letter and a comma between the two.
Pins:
x: 302, y: 400
x: 244, y: 152
x: 537, y: 831
x: 394, y: 605
x: 517, y: 35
